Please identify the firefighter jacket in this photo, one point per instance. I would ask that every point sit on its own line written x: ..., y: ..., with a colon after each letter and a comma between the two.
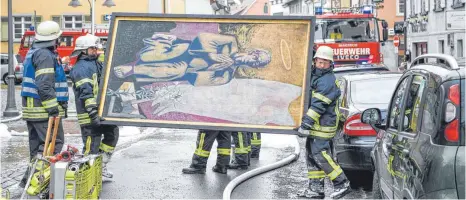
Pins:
x: 323, y: 114
x: 44, y: 86
x: 85, y: 76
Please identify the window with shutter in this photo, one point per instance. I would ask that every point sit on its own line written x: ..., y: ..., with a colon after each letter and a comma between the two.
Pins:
x: 57, y: 18
x: 4, y: 28
x: 20, y: 25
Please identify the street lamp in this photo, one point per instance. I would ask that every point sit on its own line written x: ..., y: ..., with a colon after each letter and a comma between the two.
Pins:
x: 10, y: 110
x: 76, y: 3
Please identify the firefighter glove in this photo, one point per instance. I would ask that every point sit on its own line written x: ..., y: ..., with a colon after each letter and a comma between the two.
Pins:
x: 53, y: 112
x: 303, y: 133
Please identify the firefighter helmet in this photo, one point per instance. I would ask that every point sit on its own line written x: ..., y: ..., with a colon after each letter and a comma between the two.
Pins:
x: 48, y: 31
x: 87, y: 41
x: 324, y: 52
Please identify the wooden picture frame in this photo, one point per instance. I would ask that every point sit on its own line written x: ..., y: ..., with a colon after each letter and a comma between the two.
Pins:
x: 158, y: 68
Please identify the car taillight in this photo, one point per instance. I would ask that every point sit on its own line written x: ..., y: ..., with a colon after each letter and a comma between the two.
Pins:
x: 454, y: 94
x: 354, y: 127
x: 452, y: 130
x: 17, y: 69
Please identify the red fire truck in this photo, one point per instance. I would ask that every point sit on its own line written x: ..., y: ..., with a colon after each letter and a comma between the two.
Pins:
x: 353, y: 33
x: 67, y: 43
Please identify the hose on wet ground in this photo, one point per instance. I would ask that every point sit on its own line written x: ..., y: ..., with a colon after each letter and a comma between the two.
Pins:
x: 243, y: 177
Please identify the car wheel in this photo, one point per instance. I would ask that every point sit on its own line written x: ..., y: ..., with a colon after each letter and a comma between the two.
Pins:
x: 376, y: 192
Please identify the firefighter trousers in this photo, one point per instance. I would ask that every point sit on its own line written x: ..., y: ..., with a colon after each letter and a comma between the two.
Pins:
x: 37, y: 131
x: 93, y: 142
x: 255, y: 144
x: 204, y: 143
x: 320, y: 164
x: 242, y: 142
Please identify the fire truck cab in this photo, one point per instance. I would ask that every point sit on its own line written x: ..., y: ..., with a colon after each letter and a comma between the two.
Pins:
x: 353, y: 33
x: 67, y: 43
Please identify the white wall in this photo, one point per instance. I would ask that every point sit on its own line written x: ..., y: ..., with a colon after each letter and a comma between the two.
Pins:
x: 436, y: 30
x: 155, y: 6
x: 198, y: 7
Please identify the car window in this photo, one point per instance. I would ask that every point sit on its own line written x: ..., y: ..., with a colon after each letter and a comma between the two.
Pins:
x: 413, y: 103
x: 66, y: 41
x: 28, y: 41
x: 342, y: 85
x: 4, y: 60
x: 431, y: 111
x: 362, y: 91
x: 397, y: 103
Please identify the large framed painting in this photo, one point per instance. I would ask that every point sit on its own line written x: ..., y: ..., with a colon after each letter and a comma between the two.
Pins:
x: 235, y: 73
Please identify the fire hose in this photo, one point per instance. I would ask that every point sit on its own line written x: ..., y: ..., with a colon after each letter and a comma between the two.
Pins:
x: 243, y: 177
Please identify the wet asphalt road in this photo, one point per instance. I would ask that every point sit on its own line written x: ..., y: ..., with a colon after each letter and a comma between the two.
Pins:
x: 152, y: 169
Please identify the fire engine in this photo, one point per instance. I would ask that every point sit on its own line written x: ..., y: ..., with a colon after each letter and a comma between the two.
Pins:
x: 353, y: 33
x: 67, y: 42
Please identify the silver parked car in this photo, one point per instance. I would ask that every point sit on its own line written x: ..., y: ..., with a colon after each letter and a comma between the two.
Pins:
x: 18, y: 67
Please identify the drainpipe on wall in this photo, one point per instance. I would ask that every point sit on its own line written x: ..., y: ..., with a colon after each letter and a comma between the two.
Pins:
x: 406, y: 28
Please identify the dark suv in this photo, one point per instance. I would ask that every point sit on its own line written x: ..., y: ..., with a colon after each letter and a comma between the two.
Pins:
x: 419, y: 150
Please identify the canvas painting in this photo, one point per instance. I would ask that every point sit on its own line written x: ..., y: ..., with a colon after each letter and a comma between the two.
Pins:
x: 213, y: 73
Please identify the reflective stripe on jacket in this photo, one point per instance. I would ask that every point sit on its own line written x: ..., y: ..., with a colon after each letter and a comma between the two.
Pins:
x: 85, y: 76
x: 323, y: 111
x: 44, y: 84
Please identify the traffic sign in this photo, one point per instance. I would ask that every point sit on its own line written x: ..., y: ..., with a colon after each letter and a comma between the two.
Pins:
x: 396, y: 41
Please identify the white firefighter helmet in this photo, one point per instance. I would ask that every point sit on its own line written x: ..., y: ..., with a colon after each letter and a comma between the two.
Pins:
x: 324, y: 52
x: 87, y: 41
x: 48, y: 31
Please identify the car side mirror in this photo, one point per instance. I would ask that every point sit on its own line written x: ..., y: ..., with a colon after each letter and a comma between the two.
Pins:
x: 385, y: 34
x: 371, y: 116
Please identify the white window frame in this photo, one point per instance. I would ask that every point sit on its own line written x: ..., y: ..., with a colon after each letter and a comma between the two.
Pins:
x: 73, y: 21
x: 398, y: 13
x: 23, y: 27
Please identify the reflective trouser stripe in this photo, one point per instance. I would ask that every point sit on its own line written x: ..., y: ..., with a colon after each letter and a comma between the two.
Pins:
x: 88, y: 145
x: 241, y: 149
x: 106, y: 148
x: 254, y: 140
x: 316, y: 174
x: 336, y: 168
x: 224, y: 151
x: 199, y: 151
x: 249, y: 148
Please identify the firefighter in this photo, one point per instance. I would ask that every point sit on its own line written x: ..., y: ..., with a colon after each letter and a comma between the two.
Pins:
x: 86, y: 76
x: 319, y: 125
x: 205, y: 140
x: 44, y: 92
x: 242, y: 151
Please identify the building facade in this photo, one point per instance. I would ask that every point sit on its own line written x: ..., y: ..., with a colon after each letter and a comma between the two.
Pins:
x: 436, y: 26
x: 76, y: 18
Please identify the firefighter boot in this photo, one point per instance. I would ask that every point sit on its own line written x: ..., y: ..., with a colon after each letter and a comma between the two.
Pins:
x: 193, y: 170
x: 220, y: 169
x: 315, y: 190
x: 340, y: 190
x: 235, y: 165
x: 106, y: 156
